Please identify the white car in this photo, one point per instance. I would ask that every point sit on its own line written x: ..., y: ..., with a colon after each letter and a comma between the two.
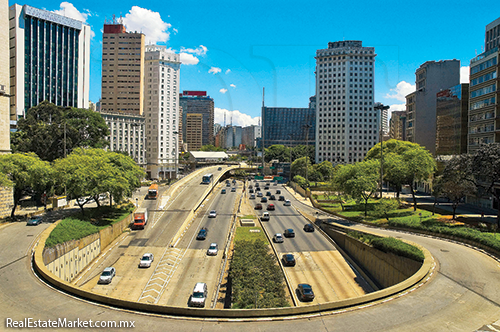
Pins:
x: 107, y: 275
x: 146, y: 260
x: 252, y: 196
x: 212, y: 214
x: 278, y: 238
x: 287, y: 203
x: 213, y: 249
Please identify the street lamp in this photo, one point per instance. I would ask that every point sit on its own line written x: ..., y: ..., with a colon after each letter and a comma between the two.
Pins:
x: 381, y: 107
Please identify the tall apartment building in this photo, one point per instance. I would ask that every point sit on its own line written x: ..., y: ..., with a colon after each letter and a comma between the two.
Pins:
x: 49, y: 60
x: 230, y: 137
x: 347, y: 125
x: 161, y: 109
x: 197, y: 102
x: 492, y: 36
x: 483, y: 99
x: 384, y: 121
x: 430, y: 78
x: 250, y: 134
x: 6, y: 194
x: 194, y: 131
x: 452, y: 109
x: 397, y: 125
x: 123, y: 90
x: 289, y: 126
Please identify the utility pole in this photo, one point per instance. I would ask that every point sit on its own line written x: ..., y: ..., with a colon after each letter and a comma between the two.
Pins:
x: 307, y: 127
x: 262, y: 130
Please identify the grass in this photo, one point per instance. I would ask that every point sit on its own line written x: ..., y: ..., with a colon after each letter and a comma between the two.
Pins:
x: 79, y: 226
x: 244, y: 234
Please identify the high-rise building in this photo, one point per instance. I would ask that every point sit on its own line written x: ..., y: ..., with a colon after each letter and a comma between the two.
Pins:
x: 6, y: 193
x: 289, y: 126
x: 161, y: 109
x: 483, y: 96
x: 384, y: 118
x: 492, y: 36
x: 199, y: 103
x: 250, y: 134
x: 50, y: 60
x: 347, y: 125
x: 230, y: 137
x: 452, y: 109
x: 397, y: 125
x: 123, y: 90
x: 430, y: 78
x: 194, y: 131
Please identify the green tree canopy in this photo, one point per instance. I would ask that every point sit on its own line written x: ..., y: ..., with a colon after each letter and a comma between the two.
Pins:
x: 325, y: 168
x: 404, y: 163
x: 279, y: 152
x: 299, y: 167
x: 358, y: 180
x: 26, y: 173
x: 90, y: 172
x: 45, y: 125
x: 210, y: 147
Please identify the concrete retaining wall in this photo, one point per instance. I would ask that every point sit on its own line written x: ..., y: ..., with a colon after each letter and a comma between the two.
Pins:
x: 67, y: 259
x: 386, y: 269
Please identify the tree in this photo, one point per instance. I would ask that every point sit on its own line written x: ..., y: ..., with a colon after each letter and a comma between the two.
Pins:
x: 384, y: 206
x: 210, y: 147
x: 302, y: 182
x: 26, y: 173
x: 325, y: 168
x: 300, y: 151
x: 299, y: 167
x: 404, y: 163
x: 484, y: 165
x: 279, y: 152
x: 90, y: 172
x: 45, y: 127
x: 358, y: 180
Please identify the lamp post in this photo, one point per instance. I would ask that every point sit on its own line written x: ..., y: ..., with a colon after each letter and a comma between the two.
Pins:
x: 381, y: 107
x: 307, y: 126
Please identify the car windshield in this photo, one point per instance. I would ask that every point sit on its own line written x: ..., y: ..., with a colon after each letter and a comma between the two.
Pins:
x: 212, y: 247
x: 146, y: 258
x: 289, y: 257
x: 198, y: 295
x: 107, y: 273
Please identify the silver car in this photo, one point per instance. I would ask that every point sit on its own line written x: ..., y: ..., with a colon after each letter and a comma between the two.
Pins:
x: 146, y: 260
x: 107, y: 275
x: 278, y: 238
x: 213, y: 249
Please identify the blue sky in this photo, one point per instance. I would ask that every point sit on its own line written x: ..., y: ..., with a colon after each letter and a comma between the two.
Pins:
x: 233, y: 49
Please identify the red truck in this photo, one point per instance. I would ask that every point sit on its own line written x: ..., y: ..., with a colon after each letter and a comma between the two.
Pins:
x: 140, y: 218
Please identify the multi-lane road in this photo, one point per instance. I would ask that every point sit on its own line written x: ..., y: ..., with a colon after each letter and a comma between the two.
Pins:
x: 462, y: 295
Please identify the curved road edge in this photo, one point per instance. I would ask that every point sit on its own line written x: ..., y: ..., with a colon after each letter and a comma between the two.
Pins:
x: 410, y: 284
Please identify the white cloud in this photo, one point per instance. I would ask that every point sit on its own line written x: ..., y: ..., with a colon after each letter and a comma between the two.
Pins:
x: 69, y: 10
x: 232, y: 85
x: 148, y: 22
x: 223, y: 90
x: 464, y: 74
x: 214, y: 70
x: 200, y: 50
x: 228, y: 71
x: 238, y: 118
x: 189, y: 59
x: 401, y: 91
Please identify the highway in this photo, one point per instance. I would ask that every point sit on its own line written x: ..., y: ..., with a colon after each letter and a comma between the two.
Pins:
x: 462, y: 295
x: 318, y: 262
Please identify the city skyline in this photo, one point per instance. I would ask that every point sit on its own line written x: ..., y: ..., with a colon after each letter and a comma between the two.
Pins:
x: 233, y: 58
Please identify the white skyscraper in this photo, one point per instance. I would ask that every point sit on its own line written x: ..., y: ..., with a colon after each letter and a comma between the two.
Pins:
x: 161, y: 108
x: 346, y: 123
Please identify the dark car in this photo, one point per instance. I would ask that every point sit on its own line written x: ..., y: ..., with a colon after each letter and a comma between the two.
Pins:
x: 263, y: 200
x: 281, y: 198
x: 266, y: 188
x: 272, y: 198
x: 250, y: 191
x: 288, y: 260
x: 202, y: 234
x: 228, y: 184
x: 305, y: 292
x: 250, y: 187
x: 256, y: 185
x: 289, y: 233
x: 233, y: 189
x: 268, y: 193
x: 258, y: 206
x: 219, y: 169
x: 278, y: 192
x: 33, y: 221
x: 257, y: 188
x: 309, y: 228
x: 223, y: 191
x: 270, y: 207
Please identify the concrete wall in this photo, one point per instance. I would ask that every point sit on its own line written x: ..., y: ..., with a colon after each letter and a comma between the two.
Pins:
x: 67, y: 259
x: 6, y: 201
x: 386, y: 269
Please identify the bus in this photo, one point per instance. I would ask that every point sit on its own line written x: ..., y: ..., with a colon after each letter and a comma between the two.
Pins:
x: 207, y: 178
x: 153, y: 191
